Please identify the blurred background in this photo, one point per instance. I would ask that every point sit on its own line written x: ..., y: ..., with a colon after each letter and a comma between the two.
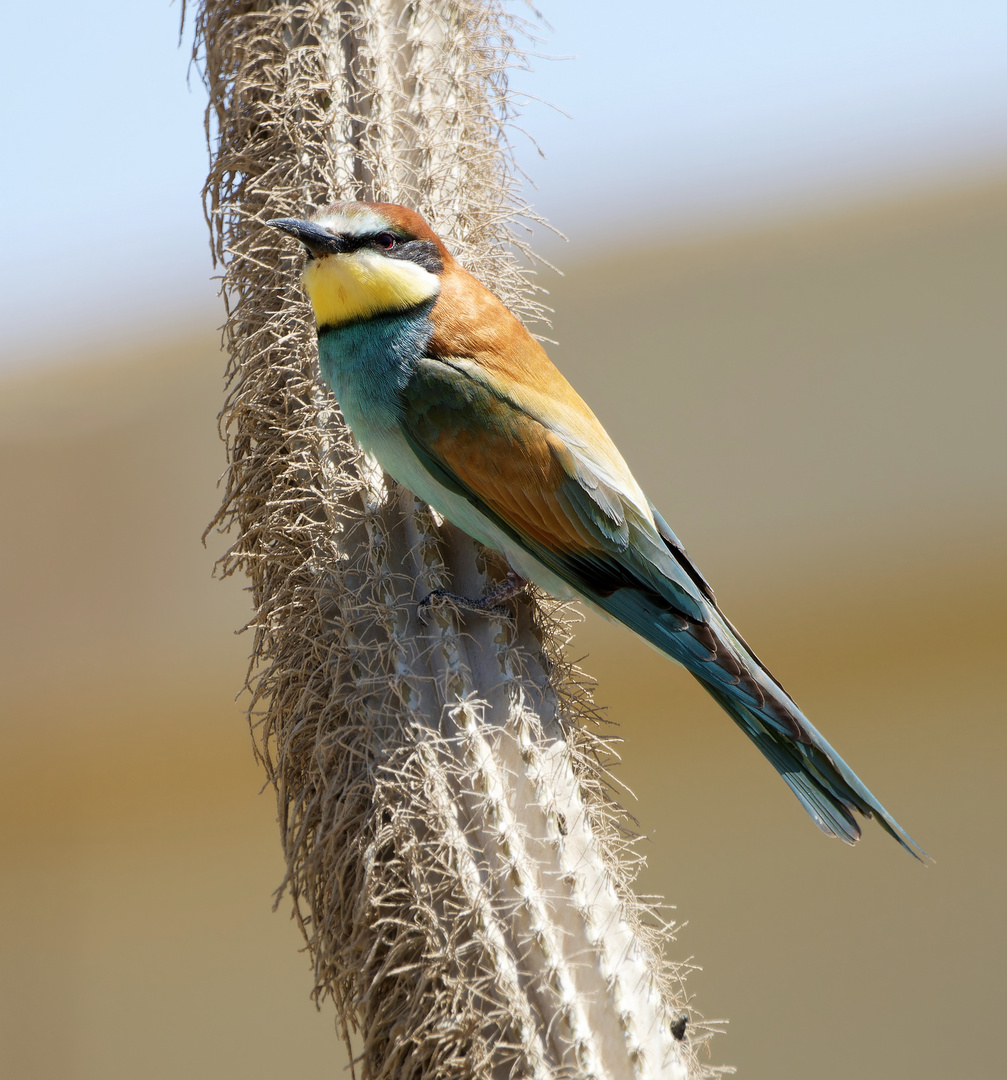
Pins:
x: 784, y: 294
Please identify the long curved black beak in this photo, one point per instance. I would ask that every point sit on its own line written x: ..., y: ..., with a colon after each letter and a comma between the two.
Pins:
x: 317, y: 240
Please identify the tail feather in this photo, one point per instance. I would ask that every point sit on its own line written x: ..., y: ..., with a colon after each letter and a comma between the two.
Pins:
x: 714, y: 652
x: 825, y: 785
x: 706, y: 644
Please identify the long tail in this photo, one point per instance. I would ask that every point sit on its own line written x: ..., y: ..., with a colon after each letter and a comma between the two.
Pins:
x: 828, y: 789
x: 825, y: 785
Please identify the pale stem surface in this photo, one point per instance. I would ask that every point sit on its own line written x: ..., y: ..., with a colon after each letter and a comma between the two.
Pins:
x: 457, y: 865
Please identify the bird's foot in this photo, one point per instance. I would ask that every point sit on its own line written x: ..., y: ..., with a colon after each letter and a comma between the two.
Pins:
x: 489, y: 604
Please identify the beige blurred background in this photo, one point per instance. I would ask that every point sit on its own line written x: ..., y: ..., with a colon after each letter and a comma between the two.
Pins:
x: 817, y: 406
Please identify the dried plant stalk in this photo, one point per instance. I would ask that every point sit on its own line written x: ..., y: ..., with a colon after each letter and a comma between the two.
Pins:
x: 456, y: 863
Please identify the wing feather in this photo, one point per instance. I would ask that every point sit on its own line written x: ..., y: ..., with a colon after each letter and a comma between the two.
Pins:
x: 528, y: 480
x: 545, y: 493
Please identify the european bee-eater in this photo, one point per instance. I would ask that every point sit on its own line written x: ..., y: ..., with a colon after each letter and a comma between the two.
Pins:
x: 458, y: 402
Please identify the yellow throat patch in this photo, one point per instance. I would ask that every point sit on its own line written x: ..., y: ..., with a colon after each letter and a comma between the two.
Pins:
x: 346, y: 288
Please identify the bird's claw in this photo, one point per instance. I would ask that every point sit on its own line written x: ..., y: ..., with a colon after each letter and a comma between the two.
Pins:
x: 489, y: 604
x: 466, y: 603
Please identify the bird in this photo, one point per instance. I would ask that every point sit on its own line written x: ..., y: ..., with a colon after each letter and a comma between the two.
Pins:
x: 445, y: 387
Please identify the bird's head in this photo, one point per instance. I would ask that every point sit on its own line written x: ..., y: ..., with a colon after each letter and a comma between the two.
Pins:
x: 367, y: 259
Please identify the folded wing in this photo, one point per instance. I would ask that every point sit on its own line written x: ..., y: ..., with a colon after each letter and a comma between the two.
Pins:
x: 555, y: 497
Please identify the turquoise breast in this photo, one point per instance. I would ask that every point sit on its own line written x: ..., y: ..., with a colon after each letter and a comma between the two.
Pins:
x: 368, y: 363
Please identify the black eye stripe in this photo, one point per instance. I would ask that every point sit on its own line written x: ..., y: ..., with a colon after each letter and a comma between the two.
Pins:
x: 422, y: 252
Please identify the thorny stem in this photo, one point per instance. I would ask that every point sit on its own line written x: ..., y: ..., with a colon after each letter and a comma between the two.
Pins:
x: 455, y: 860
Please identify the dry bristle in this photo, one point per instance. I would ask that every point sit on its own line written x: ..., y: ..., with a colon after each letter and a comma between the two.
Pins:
x: 455, y: 860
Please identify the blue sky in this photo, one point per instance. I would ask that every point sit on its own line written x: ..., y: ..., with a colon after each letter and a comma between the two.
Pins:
x: 690, y: 115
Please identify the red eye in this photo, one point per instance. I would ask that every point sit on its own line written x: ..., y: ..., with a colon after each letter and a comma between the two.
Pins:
x: 386, y: 240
